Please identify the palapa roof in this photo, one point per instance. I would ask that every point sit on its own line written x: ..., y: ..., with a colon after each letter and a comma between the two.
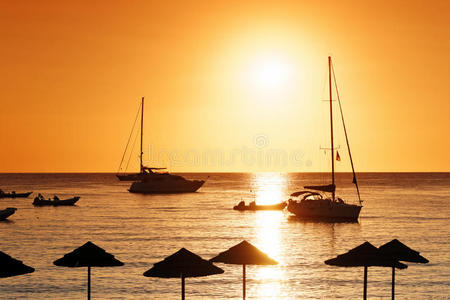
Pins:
x: 244, y: 253
x: 400, y: 251
x: 367, y: 255
x: 183, y: 263
x: 12, y: 267
x: 88, y: 255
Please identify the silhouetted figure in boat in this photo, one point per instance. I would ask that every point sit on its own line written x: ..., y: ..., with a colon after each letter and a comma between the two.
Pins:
x: 55, y: 198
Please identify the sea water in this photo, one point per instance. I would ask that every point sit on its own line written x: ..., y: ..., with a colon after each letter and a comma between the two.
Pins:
x: 141, y: 230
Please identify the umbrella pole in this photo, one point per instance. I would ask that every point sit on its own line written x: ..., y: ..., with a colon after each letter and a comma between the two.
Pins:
x: 365, y: 283
x: 89, y: 283
x: 243, y: 281
x: 182, y: 287
x: 393, y: 283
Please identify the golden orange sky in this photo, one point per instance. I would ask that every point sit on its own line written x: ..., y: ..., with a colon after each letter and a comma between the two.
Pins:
x: 242, y: 78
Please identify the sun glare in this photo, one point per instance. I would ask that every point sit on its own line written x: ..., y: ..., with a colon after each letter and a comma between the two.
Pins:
x: 269, y: 239
x: 270, y: 73
x: 269, y: 188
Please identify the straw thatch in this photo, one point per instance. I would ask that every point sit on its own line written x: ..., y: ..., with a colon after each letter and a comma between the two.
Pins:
x: 183, y: 263
x: 89, y: 255
x: 12, y: 267
x: 399, y: 251
x: 244, y: 253
x: 365, y: 255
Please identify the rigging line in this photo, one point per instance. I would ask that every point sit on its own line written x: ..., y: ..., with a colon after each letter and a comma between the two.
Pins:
x: 346, y: 137
x: 129, y: 138
x: 131, y: 152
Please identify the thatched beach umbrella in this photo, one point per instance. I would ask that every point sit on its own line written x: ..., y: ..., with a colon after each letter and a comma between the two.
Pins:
x: 12, y: 267
x: 244, y: 254
x: 365, y: 255
x: 89, y: 255
x: 399, y: 251
x: 182, y: 264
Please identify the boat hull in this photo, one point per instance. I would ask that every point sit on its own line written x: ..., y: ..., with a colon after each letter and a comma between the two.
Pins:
x: 130, y: 177
x: 66, y: 202
x: 278, y: 206
x: 5, y: 213
x: 324, y: 210
x: 170, y: 187
x: 15, y: 195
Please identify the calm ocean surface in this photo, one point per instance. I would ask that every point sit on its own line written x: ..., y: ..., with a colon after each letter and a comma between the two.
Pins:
x: 141, y: 230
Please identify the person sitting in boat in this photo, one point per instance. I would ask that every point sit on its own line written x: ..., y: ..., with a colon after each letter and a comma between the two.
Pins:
x: 13, y: 192
x: 40, y: 197
x: 55, y: 198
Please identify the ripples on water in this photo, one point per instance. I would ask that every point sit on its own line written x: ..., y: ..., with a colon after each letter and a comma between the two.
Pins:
x: 141, y: 230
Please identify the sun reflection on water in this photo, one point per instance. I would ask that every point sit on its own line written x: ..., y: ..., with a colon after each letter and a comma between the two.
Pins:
x: 268, y: 233
x: 269, y: 241
x: 270, y: 189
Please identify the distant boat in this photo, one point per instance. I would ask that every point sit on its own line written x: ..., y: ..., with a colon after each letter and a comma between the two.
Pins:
x: 55, y: 202
x: 253, y: 206
x: 5, y: 213
x: 151, y: 181
x: 316, y: 205
x: 165, y: 183
x: 13, y: 194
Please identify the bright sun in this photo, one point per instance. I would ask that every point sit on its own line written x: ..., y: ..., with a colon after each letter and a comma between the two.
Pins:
x: 269, y: 73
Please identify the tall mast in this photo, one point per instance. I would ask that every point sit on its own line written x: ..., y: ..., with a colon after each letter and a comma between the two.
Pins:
x: 331, y: 125
x: 142, y: 132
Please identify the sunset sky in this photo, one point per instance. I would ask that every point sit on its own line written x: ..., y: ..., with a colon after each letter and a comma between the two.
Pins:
x: 241, y: 79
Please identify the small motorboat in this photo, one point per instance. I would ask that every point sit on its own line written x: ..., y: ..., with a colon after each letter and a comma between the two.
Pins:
x: 40, y: 201
x: 253, y: 206
x: 13, y: 194
x: 5, y: 213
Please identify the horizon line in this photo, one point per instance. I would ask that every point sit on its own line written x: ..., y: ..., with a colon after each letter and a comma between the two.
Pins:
x: 223, y: 172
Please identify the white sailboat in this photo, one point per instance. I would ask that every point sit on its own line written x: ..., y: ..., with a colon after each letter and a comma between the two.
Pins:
x: 315, y: 203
